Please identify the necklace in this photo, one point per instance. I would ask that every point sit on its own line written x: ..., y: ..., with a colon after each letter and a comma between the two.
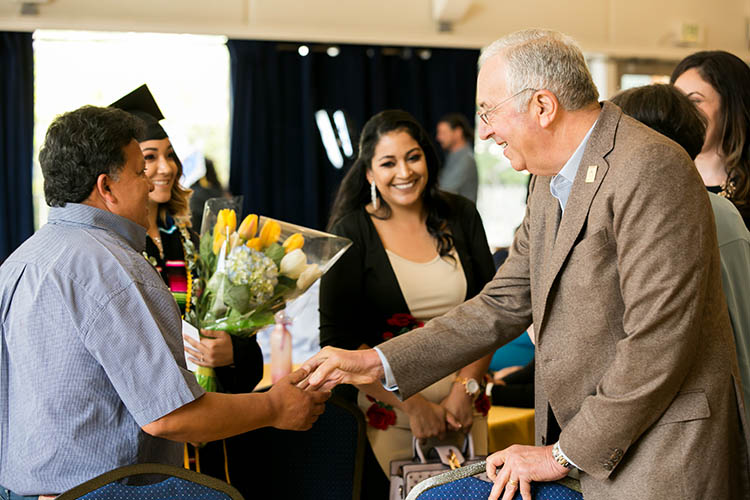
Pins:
x: 186, y: 242
x: 157, y: 242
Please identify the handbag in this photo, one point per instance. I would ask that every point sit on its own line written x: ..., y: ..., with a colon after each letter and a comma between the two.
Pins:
x: 405, y: 474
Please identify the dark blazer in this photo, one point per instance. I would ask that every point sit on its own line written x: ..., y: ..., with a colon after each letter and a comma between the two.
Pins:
x: 360, y: 292
x: 635, y: 356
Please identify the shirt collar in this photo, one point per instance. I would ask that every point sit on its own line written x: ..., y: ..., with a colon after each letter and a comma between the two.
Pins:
x: 76, y: 213
x: 562, y: 182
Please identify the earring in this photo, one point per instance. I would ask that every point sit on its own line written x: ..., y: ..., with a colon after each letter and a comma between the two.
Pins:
x: 374, y: 196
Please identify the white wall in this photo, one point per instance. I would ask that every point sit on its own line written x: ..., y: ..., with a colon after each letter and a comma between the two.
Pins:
x: 626, y: 28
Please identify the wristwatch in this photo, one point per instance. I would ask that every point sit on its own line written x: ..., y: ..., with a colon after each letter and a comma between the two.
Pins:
x: 471, y: 386
x: 559, y: 458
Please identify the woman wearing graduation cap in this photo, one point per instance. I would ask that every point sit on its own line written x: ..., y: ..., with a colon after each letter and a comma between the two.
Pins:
x: 238, y: 362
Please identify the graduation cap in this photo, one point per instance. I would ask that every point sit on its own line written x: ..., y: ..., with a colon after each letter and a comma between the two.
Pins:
x: 141, y: 103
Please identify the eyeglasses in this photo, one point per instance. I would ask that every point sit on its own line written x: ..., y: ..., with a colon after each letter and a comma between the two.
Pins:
x: 485, y: 115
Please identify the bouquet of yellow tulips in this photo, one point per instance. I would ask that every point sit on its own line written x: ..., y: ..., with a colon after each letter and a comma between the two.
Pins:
x: 241, y: 276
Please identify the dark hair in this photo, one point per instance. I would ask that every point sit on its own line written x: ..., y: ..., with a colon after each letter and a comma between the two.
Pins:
x: 81, y: 145
x: 730, y: 77
x: 455, y: 120
x: 354, y: 192
x: 668, y: 111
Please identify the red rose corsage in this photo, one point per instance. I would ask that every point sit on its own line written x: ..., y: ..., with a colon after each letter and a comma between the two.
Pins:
x: 482, y: 403
x: 380, y: 415
x: 400, y: 323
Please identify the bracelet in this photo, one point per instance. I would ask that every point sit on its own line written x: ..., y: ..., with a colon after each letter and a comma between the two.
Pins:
x: 559, y: 458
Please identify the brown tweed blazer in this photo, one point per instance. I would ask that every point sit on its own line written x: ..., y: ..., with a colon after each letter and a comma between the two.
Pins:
x: 635, y: 356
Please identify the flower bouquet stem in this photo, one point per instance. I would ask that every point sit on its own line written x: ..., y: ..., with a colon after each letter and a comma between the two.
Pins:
x: 206, y: 377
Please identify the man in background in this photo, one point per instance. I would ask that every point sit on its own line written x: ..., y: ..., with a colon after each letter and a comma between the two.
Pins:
x: 459, y: 172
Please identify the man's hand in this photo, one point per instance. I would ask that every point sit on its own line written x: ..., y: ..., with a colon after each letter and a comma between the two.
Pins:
x: 293, y: 408
x: 516, y: 466
x: 331, y: 367
x: 214, y: 350
x: 461, y: 405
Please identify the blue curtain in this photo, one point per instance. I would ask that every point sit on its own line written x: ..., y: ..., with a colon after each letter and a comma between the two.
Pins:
x: 278, y: 161
x: 16, y: 140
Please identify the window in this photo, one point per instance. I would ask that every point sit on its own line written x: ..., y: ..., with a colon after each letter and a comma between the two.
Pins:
x: 639, y: 72
x: 501, y: 200
x: 188, y: 75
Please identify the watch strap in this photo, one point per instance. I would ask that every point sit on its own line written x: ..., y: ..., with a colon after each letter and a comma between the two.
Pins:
x: 557, y: 454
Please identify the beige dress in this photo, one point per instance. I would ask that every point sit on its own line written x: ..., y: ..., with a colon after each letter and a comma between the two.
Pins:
x: 430, y: 289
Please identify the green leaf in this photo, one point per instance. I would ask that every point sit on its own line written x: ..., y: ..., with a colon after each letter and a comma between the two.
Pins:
x: 244, y: 325
x: 275, y: 252
x: 207, y: 252
x: 237, y: 297
x: 285, y: 282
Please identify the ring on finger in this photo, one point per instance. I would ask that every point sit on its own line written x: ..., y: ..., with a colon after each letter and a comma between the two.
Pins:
x: 512, y: 483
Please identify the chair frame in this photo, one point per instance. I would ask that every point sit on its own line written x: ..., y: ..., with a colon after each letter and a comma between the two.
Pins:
x: 149, y: 468
x: 359, y: 460
x: 468, y: 471
x: 446, y: 477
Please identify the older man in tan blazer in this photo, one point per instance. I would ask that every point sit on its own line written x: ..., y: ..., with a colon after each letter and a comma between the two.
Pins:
x: 616, y: 263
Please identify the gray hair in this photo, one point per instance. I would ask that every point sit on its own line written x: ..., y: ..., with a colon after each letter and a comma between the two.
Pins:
x: 544, y: 59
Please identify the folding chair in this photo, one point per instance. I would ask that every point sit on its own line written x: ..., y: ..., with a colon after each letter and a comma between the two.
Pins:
x: 180, y: 483
x: 461, y: 484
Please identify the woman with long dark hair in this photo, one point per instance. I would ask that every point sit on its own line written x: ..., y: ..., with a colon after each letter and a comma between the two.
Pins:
x: 719, y: 84
x: 417, y: 252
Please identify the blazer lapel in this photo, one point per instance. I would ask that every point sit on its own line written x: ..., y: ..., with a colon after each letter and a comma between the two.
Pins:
x: 577, y: 208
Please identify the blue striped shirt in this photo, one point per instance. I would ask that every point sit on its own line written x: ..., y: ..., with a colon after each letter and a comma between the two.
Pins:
x: 90, y: 335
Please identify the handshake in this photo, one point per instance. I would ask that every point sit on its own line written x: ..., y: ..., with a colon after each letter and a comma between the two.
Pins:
x: 332, y: 366
x: 299, y: 398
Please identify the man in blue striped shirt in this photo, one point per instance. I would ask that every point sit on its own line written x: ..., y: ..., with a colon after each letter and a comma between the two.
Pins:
x: 92, y: 374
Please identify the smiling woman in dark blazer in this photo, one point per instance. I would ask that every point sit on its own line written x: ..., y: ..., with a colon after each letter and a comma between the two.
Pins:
x: 417, y: 252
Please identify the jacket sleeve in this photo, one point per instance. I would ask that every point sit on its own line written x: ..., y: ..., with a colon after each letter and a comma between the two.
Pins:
x: 497, y: 315
x: 341, y: 295
x: 484, y: 266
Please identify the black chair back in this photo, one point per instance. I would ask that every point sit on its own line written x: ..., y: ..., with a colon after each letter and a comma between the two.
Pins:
x: 323, y: 462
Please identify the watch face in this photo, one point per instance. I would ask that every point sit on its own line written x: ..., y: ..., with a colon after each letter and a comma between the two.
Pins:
x: 472, y: 386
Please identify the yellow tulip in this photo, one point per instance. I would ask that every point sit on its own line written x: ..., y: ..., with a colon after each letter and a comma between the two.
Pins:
x: 248, y: 227
x: 225, y: 221
x: 218, y: 241
x: 294, y: 242
x: 270, y: 233
x: 254, y: 243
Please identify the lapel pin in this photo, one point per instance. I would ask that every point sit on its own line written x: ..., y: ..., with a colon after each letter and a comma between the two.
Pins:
x: 591, y: 174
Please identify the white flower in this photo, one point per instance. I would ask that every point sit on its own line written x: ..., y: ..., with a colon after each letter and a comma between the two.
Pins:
x: 308, y: 276
x: 294, y: 263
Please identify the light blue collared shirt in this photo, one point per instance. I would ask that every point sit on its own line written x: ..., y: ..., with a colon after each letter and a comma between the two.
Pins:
x: 562, y: 183
x: 90, y: 352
